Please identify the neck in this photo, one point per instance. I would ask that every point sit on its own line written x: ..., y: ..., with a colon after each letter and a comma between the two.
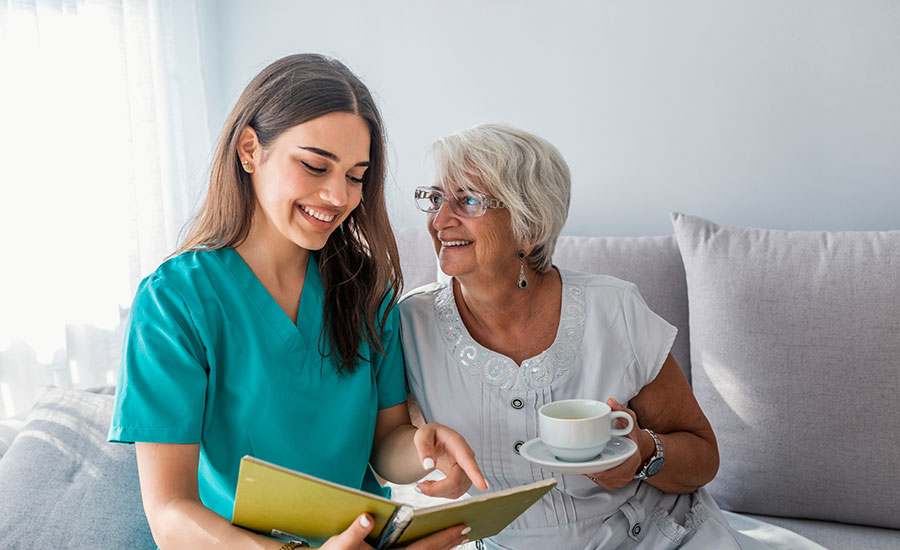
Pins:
x: 496, y: 303
x: 272, y: 257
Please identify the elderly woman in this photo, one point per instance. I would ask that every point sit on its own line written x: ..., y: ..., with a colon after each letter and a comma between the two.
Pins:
x: 510, y: 332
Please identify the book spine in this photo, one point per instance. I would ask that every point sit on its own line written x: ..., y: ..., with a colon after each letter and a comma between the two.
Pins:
x: 395, y: 527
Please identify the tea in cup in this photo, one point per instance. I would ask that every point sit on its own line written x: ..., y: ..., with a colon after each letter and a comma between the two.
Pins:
x: 577, y: 430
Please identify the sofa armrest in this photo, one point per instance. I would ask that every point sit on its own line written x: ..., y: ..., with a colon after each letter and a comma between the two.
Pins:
x: 9, y: 429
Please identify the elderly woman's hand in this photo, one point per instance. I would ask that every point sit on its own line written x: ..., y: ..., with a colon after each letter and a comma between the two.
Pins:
x: 621, y: 475
x: 454, y: 458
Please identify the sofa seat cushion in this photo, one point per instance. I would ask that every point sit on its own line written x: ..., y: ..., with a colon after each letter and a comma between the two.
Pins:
x: 795, y: 356
x: 63, y: 485
x: 832, y: 535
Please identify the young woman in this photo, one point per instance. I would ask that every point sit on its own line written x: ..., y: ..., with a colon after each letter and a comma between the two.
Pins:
x: 272, y: 331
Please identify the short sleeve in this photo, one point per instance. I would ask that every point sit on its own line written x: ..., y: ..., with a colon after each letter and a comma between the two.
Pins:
x: 389, y: 373
x: 650, y: 335
x: 161, y: 390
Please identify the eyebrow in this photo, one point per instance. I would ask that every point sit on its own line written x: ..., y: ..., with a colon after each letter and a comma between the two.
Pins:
x: 329, y: 155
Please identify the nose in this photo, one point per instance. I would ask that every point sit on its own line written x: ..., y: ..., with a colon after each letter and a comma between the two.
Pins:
x: 334, y: 191
x: 444, y: 217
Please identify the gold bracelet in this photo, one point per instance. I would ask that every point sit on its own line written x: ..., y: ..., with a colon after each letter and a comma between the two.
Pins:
x: 292, y: 544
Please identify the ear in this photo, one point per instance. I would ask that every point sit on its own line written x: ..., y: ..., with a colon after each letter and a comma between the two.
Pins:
x: 248, y: 146
x: 528, y: 246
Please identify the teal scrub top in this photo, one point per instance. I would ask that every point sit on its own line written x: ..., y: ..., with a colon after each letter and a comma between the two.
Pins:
x: 211, y: 358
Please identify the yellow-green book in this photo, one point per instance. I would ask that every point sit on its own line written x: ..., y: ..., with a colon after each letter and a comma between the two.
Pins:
x: 283, y: 503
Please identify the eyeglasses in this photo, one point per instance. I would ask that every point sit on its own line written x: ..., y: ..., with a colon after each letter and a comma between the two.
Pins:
x: 467, y: 205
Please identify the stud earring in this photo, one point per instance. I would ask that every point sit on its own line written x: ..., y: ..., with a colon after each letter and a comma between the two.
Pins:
x: 523, y: 282
x: 247, y: 166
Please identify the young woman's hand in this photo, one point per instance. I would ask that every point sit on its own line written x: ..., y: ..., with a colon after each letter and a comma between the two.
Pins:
x: 353, y: 537
x: 442, y: 447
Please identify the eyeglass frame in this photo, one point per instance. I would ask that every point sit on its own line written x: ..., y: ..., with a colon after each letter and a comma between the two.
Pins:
x: 486, y: 202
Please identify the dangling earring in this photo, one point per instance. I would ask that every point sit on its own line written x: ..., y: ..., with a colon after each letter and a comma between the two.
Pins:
x: 523, y: 282
x: 247, y: 166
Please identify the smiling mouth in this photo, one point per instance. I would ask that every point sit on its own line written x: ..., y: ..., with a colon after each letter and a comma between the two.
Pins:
x: 450, y: 244
x: 321, y: 216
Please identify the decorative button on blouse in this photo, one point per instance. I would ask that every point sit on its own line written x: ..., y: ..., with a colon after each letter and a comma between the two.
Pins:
x: 518, y: 446
x: 517, y: 403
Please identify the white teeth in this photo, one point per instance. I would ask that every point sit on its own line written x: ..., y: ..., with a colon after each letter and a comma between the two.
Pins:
x: 317, y: 215
x: 455, y: 243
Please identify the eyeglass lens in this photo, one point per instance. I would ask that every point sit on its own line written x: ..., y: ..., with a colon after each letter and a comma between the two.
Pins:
x: 429, y: 199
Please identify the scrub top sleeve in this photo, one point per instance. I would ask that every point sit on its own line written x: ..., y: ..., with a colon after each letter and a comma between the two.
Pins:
x: 651, y: 339
x: 161, y: 391
x: 389, y: 373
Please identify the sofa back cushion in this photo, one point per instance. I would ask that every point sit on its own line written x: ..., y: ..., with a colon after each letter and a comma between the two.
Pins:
x: 63, y: 485
x: 417, y: 259
x: 795, y: 356
x: 652, y: 263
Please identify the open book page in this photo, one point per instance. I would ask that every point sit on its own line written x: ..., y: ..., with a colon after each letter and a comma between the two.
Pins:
x: 487, y: 514
x: 270, y: 498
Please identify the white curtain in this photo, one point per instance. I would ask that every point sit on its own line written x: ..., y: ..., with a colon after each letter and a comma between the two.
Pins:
x: 101, y: 114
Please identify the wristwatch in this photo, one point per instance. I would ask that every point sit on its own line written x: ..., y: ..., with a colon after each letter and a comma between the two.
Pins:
x: 655, y: 463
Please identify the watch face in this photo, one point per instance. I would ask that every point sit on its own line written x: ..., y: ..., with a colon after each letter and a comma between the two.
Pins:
x: 655, y: 466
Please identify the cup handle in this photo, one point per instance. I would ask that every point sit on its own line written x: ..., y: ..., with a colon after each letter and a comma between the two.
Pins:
x: 624, y: 415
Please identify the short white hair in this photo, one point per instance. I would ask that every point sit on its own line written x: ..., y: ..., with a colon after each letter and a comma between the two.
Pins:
x: 523, y: 170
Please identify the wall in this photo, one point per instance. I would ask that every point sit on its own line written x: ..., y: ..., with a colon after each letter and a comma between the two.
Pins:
x: 772, y: 114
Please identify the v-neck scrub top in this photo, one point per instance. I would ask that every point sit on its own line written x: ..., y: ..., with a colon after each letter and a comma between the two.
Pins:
x: 211, y: 358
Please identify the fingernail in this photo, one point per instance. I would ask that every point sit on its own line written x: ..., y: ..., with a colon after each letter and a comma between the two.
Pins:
x: 466, y: 531
x: 364, y: 521
x: 419, y: 490
x: 428, y: 464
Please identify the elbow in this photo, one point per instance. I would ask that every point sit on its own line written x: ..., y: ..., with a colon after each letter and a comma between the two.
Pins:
x: 159, y: 530
x: 712, y: 459
x: 165, y: 520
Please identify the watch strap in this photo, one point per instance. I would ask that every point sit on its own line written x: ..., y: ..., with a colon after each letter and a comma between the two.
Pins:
x: 658, y: 455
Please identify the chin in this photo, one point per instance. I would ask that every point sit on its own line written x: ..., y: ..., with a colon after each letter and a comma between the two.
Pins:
x: 453, y: 270
x: 311, y: 243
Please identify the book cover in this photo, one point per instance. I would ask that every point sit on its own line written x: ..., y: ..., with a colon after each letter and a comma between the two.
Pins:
x: 277, y: 501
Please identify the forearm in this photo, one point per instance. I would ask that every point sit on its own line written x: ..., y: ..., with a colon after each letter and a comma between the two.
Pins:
x: 692, y: 460
x: 187, y: 523
x: 395, y: 457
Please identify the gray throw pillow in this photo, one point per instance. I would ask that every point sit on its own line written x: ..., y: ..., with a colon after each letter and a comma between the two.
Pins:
x: 795, y: 356
x: 63, y: 486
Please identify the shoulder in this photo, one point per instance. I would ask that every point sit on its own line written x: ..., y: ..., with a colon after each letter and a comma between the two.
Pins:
x: 597, y: 284
x: 185, y: 277
x: 421, y: 297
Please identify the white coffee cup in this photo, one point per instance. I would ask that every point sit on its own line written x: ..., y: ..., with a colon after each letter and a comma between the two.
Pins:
x: 577, y: 430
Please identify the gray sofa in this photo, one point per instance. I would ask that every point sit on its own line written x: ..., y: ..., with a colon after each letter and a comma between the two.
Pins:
x: 791, y: 341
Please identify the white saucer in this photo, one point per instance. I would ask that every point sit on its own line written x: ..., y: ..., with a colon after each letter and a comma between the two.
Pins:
x: 616, y: 452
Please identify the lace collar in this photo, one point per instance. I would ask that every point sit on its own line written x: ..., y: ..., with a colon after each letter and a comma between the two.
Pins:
x: 499, y: 370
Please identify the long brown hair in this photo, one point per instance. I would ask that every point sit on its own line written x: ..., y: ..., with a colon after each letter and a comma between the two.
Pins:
x: 358, y: 264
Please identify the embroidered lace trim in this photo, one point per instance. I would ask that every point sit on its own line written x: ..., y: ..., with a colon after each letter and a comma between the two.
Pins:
x: 501, y: 371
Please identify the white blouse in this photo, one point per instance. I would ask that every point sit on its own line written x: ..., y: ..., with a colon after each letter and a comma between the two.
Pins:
x: 608, y: 344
